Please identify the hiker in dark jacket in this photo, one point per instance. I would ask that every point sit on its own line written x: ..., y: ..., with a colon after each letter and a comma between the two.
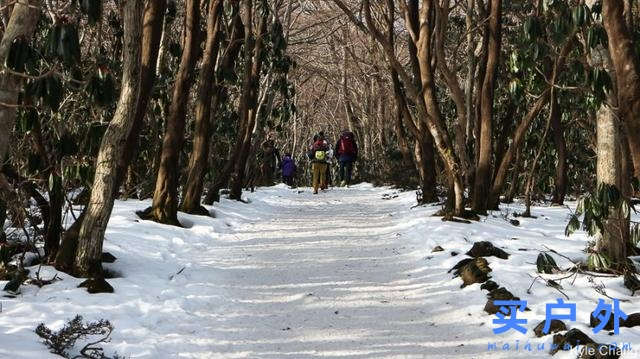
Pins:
x: 288, y: 169
x: 346, y: 152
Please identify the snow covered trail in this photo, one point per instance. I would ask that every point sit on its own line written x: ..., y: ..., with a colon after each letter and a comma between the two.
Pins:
x: 348, y: 273
x: 329, y: 275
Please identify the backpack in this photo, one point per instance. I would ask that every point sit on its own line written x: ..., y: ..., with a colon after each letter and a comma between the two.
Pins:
x: 320, y: 149
x: 347, y: 144
x: 320, y: 145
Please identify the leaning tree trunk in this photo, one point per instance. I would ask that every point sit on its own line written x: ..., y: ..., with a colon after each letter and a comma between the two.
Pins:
x: 483, y: 168
x: 151, y: 34
x: 22, y: 23
x: 627, y: 68
x: 88, y: 256
x: 164, y: 208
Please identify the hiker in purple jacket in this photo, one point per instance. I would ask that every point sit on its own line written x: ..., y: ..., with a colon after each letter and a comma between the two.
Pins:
x: 288, y: 169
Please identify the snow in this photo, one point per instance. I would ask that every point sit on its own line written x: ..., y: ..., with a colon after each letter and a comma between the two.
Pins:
x: 293, y: 275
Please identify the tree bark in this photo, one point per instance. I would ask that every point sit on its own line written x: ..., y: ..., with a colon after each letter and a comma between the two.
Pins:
x: 22, y: 23
x: 483, y: 168
x: 164, y: 208
x: 451, y: 80
x: 560, y: 190
x: 89, y: 252
x: 434, y: 117
x: 627, y: 73
x: 54, y: 228
x: 200, y: 152
x: 3, y: 218
x: 152, y: 30
x: 613, y: 240
x: 249, y: 96
x: 471, y: 73
x: 515, y: 178
x: 151, y: 35
x: 425, y: 163
x: 423, y: 157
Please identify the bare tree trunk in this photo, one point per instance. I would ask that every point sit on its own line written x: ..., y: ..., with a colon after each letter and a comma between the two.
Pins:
x: 627, y: 72
x: 202, y: 133
x: 451, y: 80
x: 469, y: 91
x: 165, y: 197
x: 483, y: 169
x: 423, y: 158
x: 471, y: 71
x: 88, y: 257
x: 613, y: 239
x: 434, y: 117
x: 481, y: 67
x: 151, y: 35
x: 560, y: 189
x: 22, y: 23
x: 248, y: 98
x: 402, y: 137
x: 515, y: 178
x: 49, y: 173
x: 425, y: 163
x: 3, y: 218
x: 226, y: 66
x: 54, y: 229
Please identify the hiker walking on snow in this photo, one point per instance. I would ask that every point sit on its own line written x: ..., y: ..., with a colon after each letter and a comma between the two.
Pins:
x: 347, y: 153
x: 328, y: 159
x: 319, y: 164
x: 288, y: 169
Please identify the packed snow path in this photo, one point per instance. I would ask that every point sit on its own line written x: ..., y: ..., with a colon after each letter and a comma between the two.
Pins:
x: 327, y: 275
x: 348, y: 273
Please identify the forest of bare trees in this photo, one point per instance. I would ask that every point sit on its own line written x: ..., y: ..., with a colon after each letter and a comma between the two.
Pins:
x: 472, y: 102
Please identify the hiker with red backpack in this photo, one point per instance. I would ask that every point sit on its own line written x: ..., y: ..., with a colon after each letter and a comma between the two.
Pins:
x: 318, y: 155
x: 347, y: 153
